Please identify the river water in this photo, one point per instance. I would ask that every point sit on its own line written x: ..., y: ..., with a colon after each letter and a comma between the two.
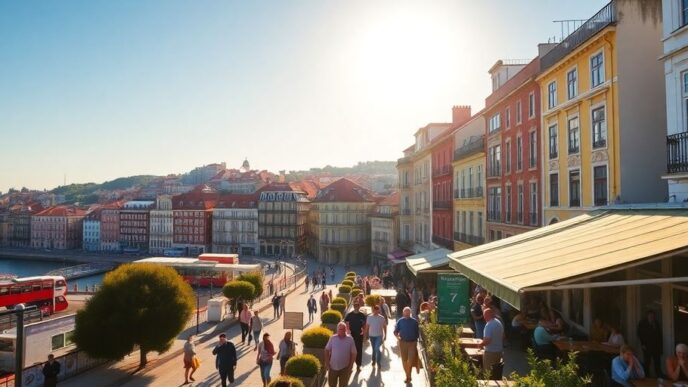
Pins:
x: 26, y: 268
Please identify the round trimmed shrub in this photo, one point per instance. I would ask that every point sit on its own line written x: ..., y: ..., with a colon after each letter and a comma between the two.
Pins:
x: 352, y: 279
x: 340, y: 300
x: 316, y: 337
x: 344, y: 289
x: 331, y: 316
x: 286, y: 381
x: 372, y: 300
x: 348, y: 283
x: 351, y: 274
x: 355, y: 292
x: 338, y: 307
x: 304, y: 366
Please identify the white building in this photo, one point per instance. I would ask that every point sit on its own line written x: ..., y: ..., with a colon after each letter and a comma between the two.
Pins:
x: 161, y: 225
x: 235, y: 225
x: 675, y: 24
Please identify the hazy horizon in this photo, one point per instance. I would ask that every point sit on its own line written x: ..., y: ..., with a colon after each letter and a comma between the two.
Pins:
x: 99, y: 90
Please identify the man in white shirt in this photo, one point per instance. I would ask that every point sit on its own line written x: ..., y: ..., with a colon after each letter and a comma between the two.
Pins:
x: 375, y: 328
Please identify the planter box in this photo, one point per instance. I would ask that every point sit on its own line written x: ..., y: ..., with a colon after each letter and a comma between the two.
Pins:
x: 317, y: 352
x: 332, y: 327
x: 313, y: 381
x: 346, y: 296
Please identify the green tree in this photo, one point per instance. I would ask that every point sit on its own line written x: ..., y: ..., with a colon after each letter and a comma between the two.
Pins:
x: 543, y: 373
x: 237, y: 291
x: 138, y: 304
x: 255, y: 278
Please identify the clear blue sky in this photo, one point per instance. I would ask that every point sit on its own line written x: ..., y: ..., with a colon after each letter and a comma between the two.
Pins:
x: 102, y: 89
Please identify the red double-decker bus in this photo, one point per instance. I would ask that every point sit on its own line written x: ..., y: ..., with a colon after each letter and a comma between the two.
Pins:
x: 48, y: 293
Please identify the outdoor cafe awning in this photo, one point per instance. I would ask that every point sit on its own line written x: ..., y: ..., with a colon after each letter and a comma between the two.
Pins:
x: 427, y: 260
x: 586, y: 246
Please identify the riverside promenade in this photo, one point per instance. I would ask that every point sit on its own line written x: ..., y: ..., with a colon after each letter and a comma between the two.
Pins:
x: 167, y: 369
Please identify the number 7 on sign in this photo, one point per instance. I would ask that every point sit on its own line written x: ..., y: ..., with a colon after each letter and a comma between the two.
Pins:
x: 453, y: 296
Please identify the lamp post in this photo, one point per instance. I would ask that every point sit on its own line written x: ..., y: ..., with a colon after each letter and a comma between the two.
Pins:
x: 198, y: 303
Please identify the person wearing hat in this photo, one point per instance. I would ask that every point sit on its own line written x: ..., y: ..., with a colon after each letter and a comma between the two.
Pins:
x: 677, y: 366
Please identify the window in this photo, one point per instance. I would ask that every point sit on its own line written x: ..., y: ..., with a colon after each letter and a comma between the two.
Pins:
x: 507, y: 157
x: 480, y: 224
x: 574, y: 135
x: 479, y: 176
x: 519, y: 114
x: 531, y: 105
x: 533, y: 150
x: 494, y: 204
x: 574, y: 188
x: 58, y: 341
x: 600, y: 183
x: 572, y: 84
x: 684, y: 12
x: 533, y: 204
x: 685, y: 99
x: 519, y: 153
x: 552, y: 94
x: 519, y: 210
x: 554, y: 189
x: 553, y: 145
x: 507, y: 205
x: 495, y: 160
x: 599, y: 128
x: 507, y: 117
x: 495, y: 122
x: 597, y: 69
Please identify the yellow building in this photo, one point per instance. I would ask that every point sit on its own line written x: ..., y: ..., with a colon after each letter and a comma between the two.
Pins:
x: 469, y: 184
x: 405, y: 169
x: 384, y: 228
x: 602, y: 105
x: 340, y: 223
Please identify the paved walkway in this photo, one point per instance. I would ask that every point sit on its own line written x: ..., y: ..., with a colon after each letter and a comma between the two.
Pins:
x: 169, y: 371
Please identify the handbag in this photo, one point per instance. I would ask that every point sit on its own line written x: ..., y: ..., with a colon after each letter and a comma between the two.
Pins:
x: 196, y: 362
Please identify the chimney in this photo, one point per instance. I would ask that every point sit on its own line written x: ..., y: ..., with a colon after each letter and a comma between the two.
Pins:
x: 461, y: 114
x: 544, y: 48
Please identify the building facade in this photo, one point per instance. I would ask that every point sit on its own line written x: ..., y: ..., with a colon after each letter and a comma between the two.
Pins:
x: 109, y: 228
x: 468, y: 167
x: 340, y: 224
x: 161, y: 233
x: 442, y: 227
x: 282, y: 220
x: 192, y: 214
x: 675, y: 58
x: 58, y: 227
x: 91, y: 231
x: 406, y: 205
x: 134, y: 224
x: 235, y: 225
x: 603, y: 105
x: 19, y: 223
x: 384, y: 228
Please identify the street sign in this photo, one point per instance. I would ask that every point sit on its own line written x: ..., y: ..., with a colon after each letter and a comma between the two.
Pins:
x: 452, y: 291
x: 293, y: 320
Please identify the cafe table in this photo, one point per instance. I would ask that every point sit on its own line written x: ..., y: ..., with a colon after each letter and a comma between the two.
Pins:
x: 469, y: 342
x: 474, y: 352
x: 652, y: 382
x: 467, y: 332
x: 585, y: 346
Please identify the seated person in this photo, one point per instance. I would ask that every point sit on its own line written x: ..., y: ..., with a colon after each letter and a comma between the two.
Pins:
x: 599, y: 331
x: 557, y: 323
x: 626, y: 367
x: 543, y: 342
x: 615, y: 338
x: 517, y: 321
x: 677, y: 366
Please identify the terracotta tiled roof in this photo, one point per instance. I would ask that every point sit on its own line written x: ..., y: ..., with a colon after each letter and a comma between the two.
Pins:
x: 309, y: 187
x: 390, y: 200
x: 344, y: 190
x: 237, y: 201
x: 62, y: 211
x: 200, y: 198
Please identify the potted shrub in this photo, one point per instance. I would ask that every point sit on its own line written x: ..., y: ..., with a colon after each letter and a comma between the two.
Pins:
x: 344, y: 292
x: 314, y: 341
x: 372, y: 300
x: 341, y: 308
x: 347, y: 282
x: 330, y: 318
x: 304, y: 367
x: 286, y: 381
x: 355, y: 292
x: 351, y: 274
x: 340, y: 300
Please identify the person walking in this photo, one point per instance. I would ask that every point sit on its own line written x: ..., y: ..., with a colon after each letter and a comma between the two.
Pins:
x: 51, y: 369
x: 375, y: 329
x: 340, y: 354
x: 225, y: 359
x: 315, y: 282
x: 306, y: 282
x: 355, y: 321
x: 287, y: 349
x: 324, y: 302
x: 275, y: 307
x: 492, y: 340
x: 407, y: 331
x: 650, y: 335
x: 312, y: 308
x: 282, y: 304
x: 384, y: 309
x: 255, y: 325
x: 244, y: 321
x: 266, y: 353
x: 332, y: 274
x: 190, y: 361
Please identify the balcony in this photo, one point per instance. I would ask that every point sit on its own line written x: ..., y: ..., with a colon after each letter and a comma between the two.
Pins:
x: 444, y: 170
x: 468, y: 193
x: 519, y: 217
x: 599, y: 143
x: 444, y: 242
x: 495, y: 170
x: 494, y: 216
x: 595, y: 24
x: 442, y: 204
x: 574, y: 203
x: 574, y: 149
x: 677, y: 153
x: 469, y: 149
x: 457, y: 194
x: 533, y: 219
x: 405, y: 185
x: 469, y: 239
x: 406, y: 211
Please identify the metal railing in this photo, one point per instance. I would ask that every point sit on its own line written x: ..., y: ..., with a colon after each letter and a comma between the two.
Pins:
x: 533, y: 218
x: 442, y: 204
x: 467, y: 193
x: 470, y: 148
x: 444, y: 242
x: 444, y: 170
x: 494, y: 216
x: 677, y: 153
x: 406, y: 211
x: 595, y: 24
x: 469, y: 239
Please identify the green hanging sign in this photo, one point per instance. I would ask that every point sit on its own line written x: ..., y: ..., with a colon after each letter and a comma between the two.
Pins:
x: 452, y: 293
